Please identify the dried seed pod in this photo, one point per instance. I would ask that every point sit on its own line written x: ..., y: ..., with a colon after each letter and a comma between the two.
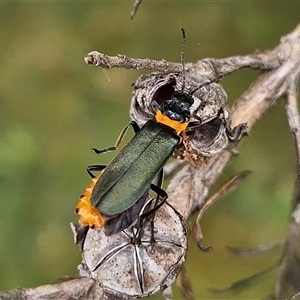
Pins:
x: 129, y: 267
x: 209, y: 105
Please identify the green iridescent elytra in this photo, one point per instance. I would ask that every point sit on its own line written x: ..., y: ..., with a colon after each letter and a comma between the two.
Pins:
x: 129, y: 175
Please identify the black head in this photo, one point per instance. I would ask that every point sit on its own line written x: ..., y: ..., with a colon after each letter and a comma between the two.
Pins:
x: 176, y: 110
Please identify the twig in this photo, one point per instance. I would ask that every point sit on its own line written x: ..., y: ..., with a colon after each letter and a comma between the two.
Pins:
x: 224, y: 189
x: 97, y: 59
x: 82, y: 289
x: 135, y: 7
x: 289, y: 271
x: 209, y: 67
x: 294, y: 120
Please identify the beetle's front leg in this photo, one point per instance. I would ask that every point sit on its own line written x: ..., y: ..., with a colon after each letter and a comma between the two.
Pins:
x: 237, y: 132
x: 135, y: 127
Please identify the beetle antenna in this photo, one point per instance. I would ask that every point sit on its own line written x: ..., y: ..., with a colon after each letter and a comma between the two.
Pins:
x: 182, y: 60
x: 208, y: 82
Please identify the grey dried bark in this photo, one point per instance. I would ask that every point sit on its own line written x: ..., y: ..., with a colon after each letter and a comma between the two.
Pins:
x: 281, y: 71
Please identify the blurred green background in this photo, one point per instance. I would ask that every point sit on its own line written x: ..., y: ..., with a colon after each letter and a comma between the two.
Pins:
x: 54, y: 108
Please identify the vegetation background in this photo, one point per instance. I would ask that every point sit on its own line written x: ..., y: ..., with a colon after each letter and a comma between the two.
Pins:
x: 54, y: 109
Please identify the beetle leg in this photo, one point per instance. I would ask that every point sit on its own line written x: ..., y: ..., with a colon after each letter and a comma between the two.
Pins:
x: 159, y: 201
x: 95, y: 168
x: 160, y: 194
x: 194, y: 124
x: 160, y: 198
x: 208, y: 82
x: 237, y: 132
x: 120, y: 138
x: 154, y: 205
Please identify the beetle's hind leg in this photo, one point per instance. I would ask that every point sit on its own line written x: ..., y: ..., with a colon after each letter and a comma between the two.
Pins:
x: 153, y: 206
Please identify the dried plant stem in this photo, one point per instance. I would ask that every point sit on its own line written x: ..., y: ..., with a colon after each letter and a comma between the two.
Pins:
x: 289, y: 271
x: 294, y: 120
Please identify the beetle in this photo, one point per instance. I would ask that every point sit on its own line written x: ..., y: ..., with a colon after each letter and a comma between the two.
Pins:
x: 125, y: 182
x: 117, y: 196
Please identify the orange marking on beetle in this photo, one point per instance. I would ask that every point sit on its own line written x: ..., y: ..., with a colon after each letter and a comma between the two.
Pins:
x: 89, y: 215
x: 176, y: 125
